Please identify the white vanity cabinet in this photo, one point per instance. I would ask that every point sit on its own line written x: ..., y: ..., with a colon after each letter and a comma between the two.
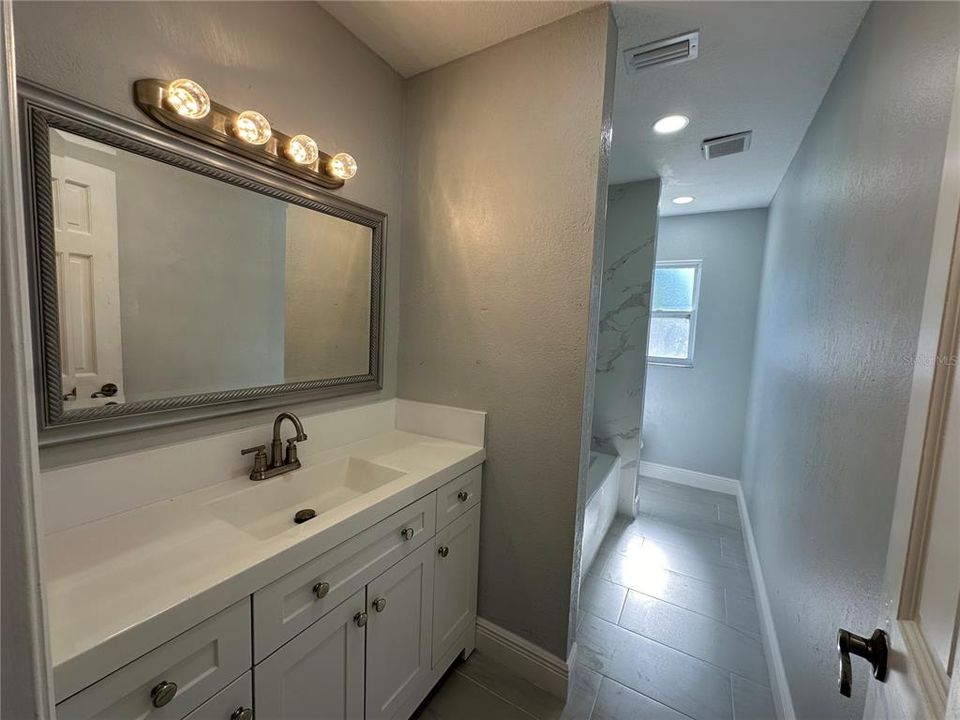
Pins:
x: 320, y: 673
x: 455, y: 581
x: 361, y: 632
x: 400, y: 603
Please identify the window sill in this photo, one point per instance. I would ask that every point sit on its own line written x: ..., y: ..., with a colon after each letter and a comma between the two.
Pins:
x: 668, y: 363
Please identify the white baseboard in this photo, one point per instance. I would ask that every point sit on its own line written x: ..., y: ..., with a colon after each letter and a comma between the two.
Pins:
x: 771, y: 646
x: 704, y: 481
x: 529, y: 661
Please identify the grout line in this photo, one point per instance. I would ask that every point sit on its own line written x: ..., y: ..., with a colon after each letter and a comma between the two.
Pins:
x: 495, y: 694
x: 691, y: 655
x: 733, y: 704
x: 648, y: 697
x: 596, y: 696
x: 698, y: 579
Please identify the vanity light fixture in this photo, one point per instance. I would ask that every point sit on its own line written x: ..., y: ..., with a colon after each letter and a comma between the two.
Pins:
x: 252, y: 127
x: 670, y: 124
x: 188, y: 98
x: 683, y: 200
x: 342, y: 166
x: 184, y: 106
x: 303, y: 150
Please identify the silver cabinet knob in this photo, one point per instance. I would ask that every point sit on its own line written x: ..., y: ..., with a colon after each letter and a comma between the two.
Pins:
x: 360, y: 619
x: 379, y: 604
x: 407, y: 533
x: 242, y: 713
x: 321, y: 589
x: 443, y: 551
x: 463, y: 495
x: 162, y: 693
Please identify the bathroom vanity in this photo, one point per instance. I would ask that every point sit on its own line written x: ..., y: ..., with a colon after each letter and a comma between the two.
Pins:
x: 191, y: 271
x: 216, y: 604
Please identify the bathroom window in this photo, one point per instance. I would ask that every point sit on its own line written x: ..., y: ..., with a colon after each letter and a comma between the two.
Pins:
x: 673, y: 313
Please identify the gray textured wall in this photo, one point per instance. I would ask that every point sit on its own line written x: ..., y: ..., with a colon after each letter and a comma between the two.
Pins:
x: 290, y: 60
x: 844, y: 272
x: 694, y: 417
x: 630, y: 249
x: 502, y: 156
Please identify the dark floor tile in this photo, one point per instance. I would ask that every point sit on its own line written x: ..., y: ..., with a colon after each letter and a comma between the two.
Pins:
x: 509, y: 686
x: 460, y: 698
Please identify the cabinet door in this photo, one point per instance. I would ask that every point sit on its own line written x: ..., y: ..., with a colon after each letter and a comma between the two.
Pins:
x: 319, y: 674
x: 400, y: 605
x: 234, y: 702
x: 455, y: 581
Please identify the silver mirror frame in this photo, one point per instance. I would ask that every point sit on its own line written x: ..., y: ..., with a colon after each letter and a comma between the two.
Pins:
x: 42, y: 109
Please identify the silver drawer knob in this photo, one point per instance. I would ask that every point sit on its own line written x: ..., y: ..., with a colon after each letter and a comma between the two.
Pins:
x: 443, y: 551
x: 242, y: 713
x: 406, y: 533
x: 360, y: 619
x: 162, y: 693
x: 463, y: 495
x: 321, y: 589
x: 379, y: 604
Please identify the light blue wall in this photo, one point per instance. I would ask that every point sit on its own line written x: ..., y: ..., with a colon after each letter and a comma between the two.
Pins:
x: 844, y: 273
x: 694, y: 417
x: 630, y: 247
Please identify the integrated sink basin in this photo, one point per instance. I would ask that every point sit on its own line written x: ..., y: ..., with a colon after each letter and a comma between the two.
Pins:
x: 268, y: 507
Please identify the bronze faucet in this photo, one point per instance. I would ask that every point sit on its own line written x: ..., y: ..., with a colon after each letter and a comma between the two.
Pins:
x: 279, y: 462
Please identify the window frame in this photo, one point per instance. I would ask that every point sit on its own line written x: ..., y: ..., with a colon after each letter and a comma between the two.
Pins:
x: 687, y: 362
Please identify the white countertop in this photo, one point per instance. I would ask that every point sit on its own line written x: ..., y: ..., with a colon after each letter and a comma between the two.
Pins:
x: 118, y: 587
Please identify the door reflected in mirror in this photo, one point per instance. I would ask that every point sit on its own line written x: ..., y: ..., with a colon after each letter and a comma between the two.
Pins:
x: 171, y: 283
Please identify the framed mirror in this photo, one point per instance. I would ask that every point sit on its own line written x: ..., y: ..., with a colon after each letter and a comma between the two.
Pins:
x: 174, y: 281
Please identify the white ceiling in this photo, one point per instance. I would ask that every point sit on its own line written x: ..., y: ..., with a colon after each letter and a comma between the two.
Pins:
x: 418, y: 35
x: 763, y: 66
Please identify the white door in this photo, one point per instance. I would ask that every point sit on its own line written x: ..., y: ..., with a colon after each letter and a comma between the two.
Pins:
x: 921, y: 594
x: 319, y: 674
x: 455, y: 581
x: 400, y: 604
x: 85, y: 218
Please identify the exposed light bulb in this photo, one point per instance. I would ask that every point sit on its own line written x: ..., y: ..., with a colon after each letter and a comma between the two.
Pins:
x: 252, y: 127
x: 683, y: 200
x: 342, y: 166
x: 671, y: 124
x: 187, y: 98
x: 302, y: 149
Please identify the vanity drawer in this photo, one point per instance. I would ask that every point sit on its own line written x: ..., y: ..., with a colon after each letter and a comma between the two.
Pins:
x: 458, y: 496
x: 292, y: 603
x: 234, y: 702
x: 199, y: 662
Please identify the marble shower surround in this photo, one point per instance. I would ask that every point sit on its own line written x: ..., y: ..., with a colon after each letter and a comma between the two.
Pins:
x: 629, y: 256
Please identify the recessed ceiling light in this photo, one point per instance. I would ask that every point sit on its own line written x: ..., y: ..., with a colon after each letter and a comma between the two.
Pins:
x: 671, y: 124
x: 683, y: 200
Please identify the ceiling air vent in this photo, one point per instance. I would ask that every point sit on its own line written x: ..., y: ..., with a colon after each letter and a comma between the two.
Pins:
x: 668, y: 51
x: 726, y: 145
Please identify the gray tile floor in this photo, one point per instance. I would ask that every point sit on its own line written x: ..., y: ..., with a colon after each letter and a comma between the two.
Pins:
x: 668, y: 627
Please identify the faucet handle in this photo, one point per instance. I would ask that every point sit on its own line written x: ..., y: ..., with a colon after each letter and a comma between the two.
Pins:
x: 291, y: 454
x: 259, y: 460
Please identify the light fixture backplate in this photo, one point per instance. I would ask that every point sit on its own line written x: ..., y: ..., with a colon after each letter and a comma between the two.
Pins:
x: 216, y: 128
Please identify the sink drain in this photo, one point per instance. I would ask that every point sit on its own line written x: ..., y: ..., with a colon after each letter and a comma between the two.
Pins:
x: 302, y: 516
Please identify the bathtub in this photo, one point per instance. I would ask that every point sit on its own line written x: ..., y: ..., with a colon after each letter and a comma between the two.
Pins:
x: 603, y: 488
